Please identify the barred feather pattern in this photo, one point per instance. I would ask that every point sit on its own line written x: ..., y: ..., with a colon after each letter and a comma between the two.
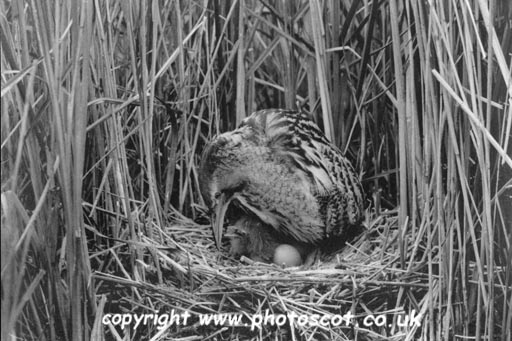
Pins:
x: 280, y: 166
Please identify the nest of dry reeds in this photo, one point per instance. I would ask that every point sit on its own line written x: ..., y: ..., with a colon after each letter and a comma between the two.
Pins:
x: 362, y: 290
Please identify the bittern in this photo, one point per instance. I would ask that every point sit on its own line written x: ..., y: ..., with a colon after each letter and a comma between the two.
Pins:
x: 279, y: 167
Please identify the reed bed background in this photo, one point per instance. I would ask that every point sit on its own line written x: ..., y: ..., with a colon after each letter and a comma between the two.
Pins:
x: 106, y: 106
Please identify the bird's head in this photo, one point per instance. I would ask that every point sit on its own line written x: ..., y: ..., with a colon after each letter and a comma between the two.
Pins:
x: 221, y: 178
x: 239, y: 240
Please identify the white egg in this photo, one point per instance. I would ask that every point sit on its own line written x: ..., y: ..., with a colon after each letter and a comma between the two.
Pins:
x: 287, y: 255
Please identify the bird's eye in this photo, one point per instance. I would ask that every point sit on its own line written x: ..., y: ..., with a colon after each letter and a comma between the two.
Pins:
x: 217, y: 195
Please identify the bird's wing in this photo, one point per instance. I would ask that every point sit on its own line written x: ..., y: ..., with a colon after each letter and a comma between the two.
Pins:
x: 343, y: 204
x: 301, y: 144
x: 337, y: 186
x: 295, y: 141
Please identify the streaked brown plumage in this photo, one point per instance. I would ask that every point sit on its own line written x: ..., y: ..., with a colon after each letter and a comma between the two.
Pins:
x: 279, y: 167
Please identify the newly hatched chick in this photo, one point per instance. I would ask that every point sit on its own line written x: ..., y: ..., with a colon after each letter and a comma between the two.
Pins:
x: 258, y: 241
x: 250, y: 237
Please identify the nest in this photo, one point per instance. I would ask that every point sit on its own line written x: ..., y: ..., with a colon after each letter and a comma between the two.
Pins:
x: 365, y: 291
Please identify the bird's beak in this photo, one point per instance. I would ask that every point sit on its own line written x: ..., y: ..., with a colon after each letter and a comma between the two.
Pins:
x: 218, y: 218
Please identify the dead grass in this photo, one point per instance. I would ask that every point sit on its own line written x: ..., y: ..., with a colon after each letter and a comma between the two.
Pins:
x: 362, y: 279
